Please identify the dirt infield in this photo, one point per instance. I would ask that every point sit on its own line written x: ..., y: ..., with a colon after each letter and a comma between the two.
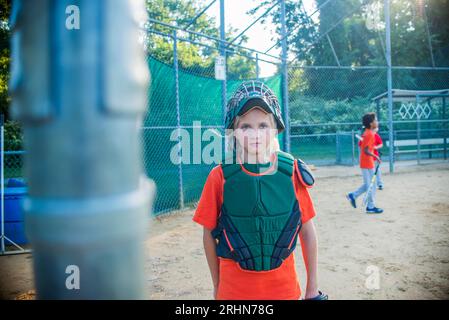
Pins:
x: 407, y: 246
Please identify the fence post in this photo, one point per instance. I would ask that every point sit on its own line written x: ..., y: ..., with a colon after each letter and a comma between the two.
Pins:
x: 338, y: 146
x: 378, y: 109
x: 445, y: 129
x: 2, y: 173
x: 257, y: 66
x: 178, y: 119
x: 389, y: 82
x: 222, y: 48
x: 81, y: 107
x: 353, y: 146
x: 418, y: 130
x: 285, y: 79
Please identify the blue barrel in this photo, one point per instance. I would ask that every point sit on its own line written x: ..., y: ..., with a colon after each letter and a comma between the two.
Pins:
x: 15, y: 192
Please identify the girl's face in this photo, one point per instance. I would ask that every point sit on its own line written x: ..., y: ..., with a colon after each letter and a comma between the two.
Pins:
x: 255, y: 131
x: 374, y: 124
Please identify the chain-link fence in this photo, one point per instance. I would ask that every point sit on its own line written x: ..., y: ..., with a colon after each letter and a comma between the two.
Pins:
x: 325, y: 101
x: 326, y: 105
x: 13, y: 164
x: 185, y: 101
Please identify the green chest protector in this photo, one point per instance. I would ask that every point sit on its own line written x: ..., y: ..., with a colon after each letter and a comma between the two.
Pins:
x: 260, y: 217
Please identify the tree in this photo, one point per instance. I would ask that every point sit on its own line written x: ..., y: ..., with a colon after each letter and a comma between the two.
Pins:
x: 300, y: 28
x: 5, y: 33
x: 356, y: 29
x: 193, y: 57
x: 355, y: 44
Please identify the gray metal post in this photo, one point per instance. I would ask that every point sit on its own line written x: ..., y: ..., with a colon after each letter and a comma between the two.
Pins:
x: 338, y: 148
x: 389, y: 82
x: 2, y: 204
x: 285, y: 79
x: 333, y: 50
x: 445, y: 128
x: 223, y: 54
x: 80, y: 93
x: 378, y: 109
x: 353, y: 146
x: 418, y: 131
x: 178, y: 118
x: 257, y: 66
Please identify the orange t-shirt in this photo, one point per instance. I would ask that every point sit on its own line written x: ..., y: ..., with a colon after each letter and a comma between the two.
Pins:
x: 236, y: 283
x: 367, y: 161
x: 377, y: 141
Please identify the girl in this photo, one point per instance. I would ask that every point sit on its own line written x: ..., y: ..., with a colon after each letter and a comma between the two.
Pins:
x: 367, y: 165
x: 255, y: 204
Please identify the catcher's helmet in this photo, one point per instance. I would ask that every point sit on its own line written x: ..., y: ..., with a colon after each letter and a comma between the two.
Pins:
x: 249, y: 95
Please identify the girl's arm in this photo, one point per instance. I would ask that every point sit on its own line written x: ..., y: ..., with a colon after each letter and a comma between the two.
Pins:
x: 310, y: 254
x: 366, y: 150
x: 379, y: 146
x: 211, y: 256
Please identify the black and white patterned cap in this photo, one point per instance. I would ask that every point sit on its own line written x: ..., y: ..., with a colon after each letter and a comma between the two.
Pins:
x: 252, y: 94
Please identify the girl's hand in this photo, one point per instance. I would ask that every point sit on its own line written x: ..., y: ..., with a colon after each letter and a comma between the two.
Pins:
x: 215, y: 291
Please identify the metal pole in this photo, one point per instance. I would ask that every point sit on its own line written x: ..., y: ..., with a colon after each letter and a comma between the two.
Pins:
x: 429, y: 37
x: 378, y: 110
x: 333, y: 50
x: 257, y: 66
x: 285, y: 79
x: 249, y: 56
x: 389, y: 82
x: 223, y: 54
x: 178, y: 118
x: 80, y: 93
x: 251, y: 24
x: 2, y: 222
x: 445, y: 128
x: 202, y: 35
x: 418, y: 130
x: 357, y: 148
x: 300, y: 25
x: 353, y: 146
x: 3, y: 236
x: 338, y: 146
x: 200, y: 14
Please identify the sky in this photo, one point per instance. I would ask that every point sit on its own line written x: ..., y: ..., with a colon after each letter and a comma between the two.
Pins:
x: 260, y: 35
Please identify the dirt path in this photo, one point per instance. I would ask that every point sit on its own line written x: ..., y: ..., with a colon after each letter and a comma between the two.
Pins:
x: 407, y: 246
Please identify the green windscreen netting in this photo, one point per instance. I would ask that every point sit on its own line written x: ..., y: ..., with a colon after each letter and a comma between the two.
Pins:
x: 199, y: 101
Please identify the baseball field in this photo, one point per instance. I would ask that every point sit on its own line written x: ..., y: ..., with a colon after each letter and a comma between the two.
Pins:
x: 400, y: 254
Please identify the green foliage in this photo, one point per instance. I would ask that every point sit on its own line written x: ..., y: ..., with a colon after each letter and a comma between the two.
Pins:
x: 13, y: 136
x: 354, y: 43
x: 5, y: 7
x: 302, y: 29
x: 314, y: 110
x: 193, y: 57
x: 4, y: 78
x: 342, y: 95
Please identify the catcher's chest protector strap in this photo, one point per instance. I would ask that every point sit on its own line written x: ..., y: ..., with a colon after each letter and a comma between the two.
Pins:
x: 260, y: 217
x: 304, y: 174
